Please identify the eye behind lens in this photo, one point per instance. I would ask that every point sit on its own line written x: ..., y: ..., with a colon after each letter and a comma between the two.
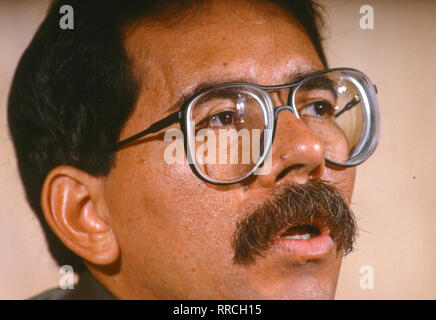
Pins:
x: 237, y: 117
x: 331, y: 104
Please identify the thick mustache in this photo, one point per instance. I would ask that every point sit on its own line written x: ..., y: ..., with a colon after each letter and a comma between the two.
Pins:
x: 294, y: 205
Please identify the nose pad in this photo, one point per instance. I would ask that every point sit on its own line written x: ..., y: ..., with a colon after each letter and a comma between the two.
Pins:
x: 300, y: 157
x: 279, y: 109
x: 276, y: 97
x: 285, y: 107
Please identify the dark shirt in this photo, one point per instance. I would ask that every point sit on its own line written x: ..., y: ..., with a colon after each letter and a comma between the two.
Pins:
x: 88, y: 288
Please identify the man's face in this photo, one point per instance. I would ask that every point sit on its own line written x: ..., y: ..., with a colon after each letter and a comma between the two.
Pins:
x: 175, y: 231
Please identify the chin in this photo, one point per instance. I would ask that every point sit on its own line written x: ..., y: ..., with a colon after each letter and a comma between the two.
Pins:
x: 282, y: 279
x: 303, y: 290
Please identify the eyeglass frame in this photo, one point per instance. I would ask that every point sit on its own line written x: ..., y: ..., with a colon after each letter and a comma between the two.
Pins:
x: 372, y: 133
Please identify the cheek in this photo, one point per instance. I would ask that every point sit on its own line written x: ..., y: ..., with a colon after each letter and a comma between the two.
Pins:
x: 165, y: 218
x: 343, y: 179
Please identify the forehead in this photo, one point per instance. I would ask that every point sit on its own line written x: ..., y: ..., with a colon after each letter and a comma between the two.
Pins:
x: 220, y: 41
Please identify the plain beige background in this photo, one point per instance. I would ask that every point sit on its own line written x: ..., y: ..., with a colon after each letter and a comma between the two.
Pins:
x: 395, y: 190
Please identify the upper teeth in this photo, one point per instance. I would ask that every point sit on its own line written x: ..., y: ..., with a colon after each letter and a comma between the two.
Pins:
x: 305, y: 236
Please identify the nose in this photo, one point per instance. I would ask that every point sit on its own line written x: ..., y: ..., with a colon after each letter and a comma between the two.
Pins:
x: 297, y: 153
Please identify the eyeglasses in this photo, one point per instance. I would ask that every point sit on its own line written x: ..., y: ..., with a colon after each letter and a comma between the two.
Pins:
x: 228, y: 129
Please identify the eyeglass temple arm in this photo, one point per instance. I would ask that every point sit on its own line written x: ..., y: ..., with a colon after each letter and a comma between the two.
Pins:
x: 353, y: 102
x: 155, y: 127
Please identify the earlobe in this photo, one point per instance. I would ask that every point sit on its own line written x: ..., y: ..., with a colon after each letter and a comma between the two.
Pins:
x: 74, y: 207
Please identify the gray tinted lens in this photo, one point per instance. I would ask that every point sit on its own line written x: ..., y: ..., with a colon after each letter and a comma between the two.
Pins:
x: 334, y: 105
x: 228, y: 124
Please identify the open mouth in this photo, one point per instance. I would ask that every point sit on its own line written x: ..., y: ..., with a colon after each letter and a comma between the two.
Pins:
x: 301, y: 232
x: 307, y: 240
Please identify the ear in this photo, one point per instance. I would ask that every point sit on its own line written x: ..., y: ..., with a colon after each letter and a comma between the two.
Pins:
x: 74, y: 207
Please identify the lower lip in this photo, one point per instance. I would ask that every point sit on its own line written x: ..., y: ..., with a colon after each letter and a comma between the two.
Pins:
x: 315, y: 248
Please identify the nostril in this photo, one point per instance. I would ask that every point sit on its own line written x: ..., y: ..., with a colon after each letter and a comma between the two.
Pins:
x: 317, y: 172
x: 284, y: 172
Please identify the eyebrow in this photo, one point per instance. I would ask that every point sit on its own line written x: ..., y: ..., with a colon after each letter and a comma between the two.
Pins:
x: 321, y: 83
x: 202, y: 85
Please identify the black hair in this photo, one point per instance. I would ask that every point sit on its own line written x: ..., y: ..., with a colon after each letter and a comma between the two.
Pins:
x: 73, y: 90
